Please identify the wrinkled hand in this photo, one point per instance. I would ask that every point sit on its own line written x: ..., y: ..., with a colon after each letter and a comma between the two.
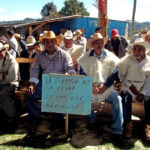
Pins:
x: 101, y: 88
x: 95, y: 89
x: 140, y: 98
x: 31, y: 88
x: 134, y: 90
x: 4, y: 74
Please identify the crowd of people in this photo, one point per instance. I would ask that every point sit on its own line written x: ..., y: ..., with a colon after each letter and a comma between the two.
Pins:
x: 71, y: 53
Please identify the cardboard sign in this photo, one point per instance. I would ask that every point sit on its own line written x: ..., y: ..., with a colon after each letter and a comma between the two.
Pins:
x: 66, y: 94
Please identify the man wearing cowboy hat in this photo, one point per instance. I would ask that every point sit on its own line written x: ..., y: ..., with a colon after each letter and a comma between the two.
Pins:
x: 51, y: 60
x: 117, y: 44
x: 27, y: 53
x: 8, y: 84
x: 79, y: 39
x: 74, y: 50
x: 101, y: 64
x: 134, y: 71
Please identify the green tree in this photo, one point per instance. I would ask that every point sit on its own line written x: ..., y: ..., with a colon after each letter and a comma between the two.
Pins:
x: 49, y: 10
x: 73, y: 7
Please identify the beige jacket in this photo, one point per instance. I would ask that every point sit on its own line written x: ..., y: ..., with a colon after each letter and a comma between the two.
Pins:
x: 9, y: 65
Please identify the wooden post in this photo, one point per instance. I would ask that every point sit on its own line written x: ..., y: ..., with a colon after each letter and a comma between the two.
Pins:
x: 30, y: 30
x: 133, y: 17
x: 66, y: 123
x: 101, y: 17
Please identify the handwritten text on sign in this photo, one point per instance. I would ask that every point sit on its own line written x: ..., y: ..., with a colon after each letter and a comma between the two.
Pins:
x: 66, y: 94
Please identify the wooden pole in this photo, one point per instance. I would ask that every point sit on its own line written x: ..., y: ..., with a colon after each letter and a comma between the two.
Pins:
x: 66, y: 123
x: 101, y: 22
x: 133, y: 17
x: 30, y: 30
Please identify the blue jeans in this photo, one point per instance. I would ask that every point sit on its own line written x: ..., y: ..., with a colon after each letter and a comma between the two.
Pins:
x: 33, y: 106
x: 32, y: 101
x: 127, y: 105
x: 116, y: 101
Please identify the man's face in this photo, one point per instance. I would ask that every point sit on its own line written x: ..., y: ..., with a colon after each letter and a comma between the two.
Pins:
x: 50, y: 44
x: 68, y: 43
x: 98, y: 45
x: 138, y: 52
x: 2, y: 53
x: 147, y: 38
x: 31, y: 48
x: 38, y: 48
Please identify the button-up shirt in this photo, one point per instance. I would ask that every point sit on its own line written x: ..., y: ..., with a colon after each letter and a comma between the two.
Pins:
x: 61, y: 63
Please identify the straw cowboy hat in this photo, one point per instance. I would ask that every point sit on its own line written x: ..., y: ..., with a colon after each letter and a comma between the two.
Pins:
x: 68, y: 35
x: 30, y: 40
x: 94, y: 37
x: 50, y: 35
x: 3, y: 45
x: 76, y: 34
x: 141, y: 42
x: 17, y: 35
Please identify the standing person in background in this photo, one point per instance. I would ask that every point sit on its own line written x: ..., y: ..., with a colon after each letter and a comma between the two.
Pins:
x: 79, y: 39
x: 74, y: 50
x: 117, y: 44
x: 13, y: 44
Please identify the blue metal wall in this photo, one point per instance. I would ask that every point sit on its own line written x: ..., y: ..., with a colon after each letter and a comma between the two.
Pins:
x: 89, y: 25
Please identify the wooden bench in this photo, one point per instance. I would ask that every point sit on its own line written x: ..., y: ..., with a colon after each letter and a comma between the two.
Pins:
x: 19, y: 93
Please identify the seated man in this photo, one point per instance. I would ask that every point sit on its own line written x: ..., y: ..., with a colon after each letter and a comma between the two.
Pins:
x: 100, y: 64
x: 134, y: 71
x: 51, y: 60
x: 8, y: 84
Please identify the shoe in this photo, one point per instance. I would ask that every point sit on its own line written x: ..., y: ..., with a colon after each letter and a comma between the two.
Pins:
x: 128, y: 130
x: 147, y: 132
x: 118, y: 141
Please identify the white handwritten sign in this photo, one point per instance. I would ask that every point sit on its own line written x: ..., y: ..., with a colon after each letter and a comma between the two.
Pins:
x: 66, y: 94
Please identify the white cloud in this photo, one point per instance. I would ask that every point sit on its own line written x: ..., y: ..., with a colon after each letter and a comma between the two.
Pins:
x: 122, y: 10
x: 20, y: 16
x: 2, y: 10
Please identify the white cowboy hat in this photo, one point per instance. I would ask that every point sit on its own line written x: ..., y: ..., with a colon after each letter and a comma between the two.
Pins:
x: 68, y: 35
x: 94, y: 37
x: 141, y: 42
x: 17, y: 35
x: 50, y: 35
x: 3, y: 45
x: 30, y: 40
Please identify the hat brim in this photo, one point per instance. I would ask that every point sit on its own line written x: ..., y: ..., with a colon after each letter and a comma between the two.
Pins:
x: 144, y: 44
x: 6, y: 46
x: 30, y: 44
x: 58, y: 39
x: 91, y: 40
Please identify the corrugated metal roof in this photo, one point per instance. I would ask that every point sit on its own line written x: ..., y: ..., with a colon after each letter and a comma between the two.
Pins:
x: 47, y: 21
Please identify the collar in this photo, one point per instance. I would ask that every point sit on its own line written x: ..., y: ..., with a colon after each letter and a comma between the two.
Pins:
x: 94, y: 54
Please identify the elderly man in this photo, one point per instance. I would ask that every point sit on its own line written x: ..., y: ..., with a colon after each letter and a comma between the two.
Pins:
x: 8, y: 83
x: 51, y: 60
x: 117, y: 44
x: 134, y: 71
x: 74, y: 50
x: 101, y: 65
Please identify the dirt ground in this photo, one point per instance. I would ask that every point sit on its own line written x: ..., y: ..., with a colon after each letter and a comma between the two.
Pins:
x: 81, y: 134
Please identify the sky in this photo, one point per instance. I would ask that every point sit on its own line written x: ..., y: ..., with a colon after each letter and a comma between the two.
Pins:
x: 117, y: 9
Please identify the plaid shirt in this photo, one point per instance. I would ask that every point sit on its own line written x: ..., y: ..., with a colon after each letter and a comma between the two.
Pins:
x: 60, y: 62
